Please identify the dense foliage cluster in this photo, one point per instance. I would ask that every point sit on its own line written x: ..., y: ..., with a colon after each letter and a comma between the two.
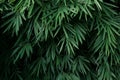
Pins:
x: 59, y: 40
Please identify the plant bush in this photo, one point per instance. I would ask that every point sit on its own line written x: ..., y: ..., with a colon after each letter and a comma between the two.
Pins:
x: 59, y: 39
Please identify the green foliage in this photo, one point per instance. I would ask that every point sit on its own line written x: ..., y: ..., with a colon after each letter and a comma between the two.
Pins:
x: 59, y: 40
